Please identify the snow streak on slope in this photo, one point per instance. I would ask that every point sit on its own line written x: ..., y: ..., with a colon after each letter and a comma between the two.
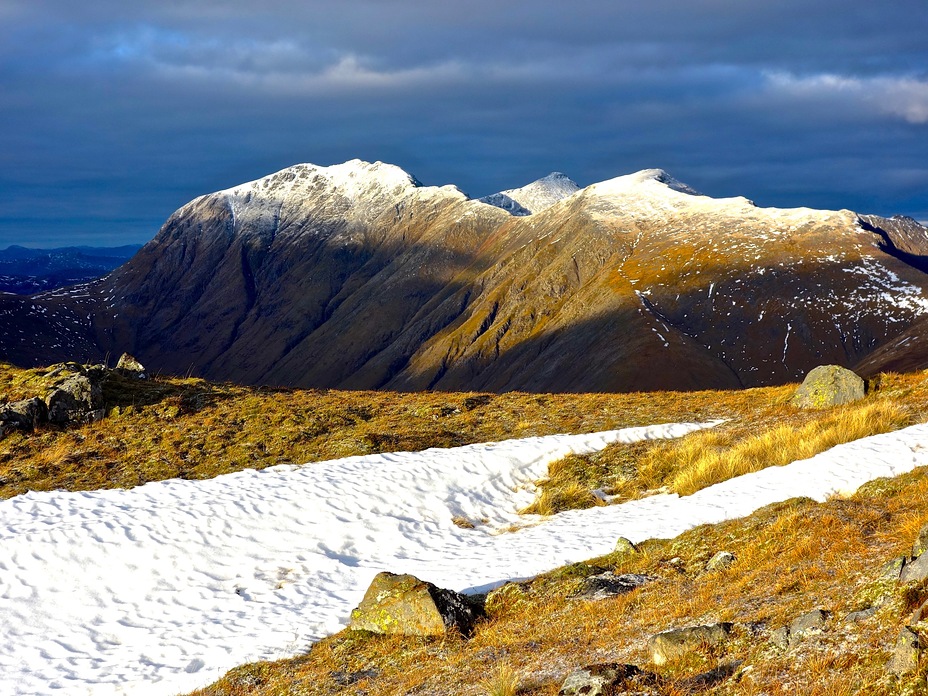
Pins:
x: 163, y: 587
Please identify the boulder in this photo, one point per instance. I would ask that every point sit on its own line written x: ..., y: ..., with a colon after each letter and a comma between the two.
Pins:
x: 609, y: 584
x: 916, y: 571
x: 676, y: 642
x: 905, y: 653
x: 25, y: 414
x: 130, y: 367
x: 827, y: 386
x: 79, y: 398
x: 606, y: 679
x: 406, y: 605
x: 892, y: 570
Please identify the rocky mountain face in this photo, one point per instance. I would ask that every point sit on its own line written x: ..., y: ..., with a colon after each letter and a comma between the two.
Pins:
x: 357, y: 276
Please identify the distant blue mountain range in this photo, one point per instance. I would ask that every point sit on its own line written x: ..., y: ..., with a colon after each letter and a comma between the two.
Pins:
x: 28, y: 271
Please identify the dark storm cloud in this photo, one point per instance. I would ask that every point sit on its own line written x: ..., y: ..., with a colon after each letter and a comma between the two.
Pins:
x: 116, y: 113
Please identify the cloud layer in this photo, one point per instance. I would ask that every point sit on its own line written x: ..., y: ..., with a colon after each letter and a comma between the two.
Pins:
x: 116, y: 113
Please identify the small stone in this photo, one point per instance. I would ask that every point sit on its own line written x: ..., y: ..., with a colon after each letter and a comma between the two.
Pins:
x: 905, y: 653
x: 860, y: 614
x: 807, y: 624
x: 827, y: 386
x: 721, y: 560
x: 675, y: 642
x: 624, y: 546
x: 609, y: 584
x: 606, y: 679
x: 780, y: 638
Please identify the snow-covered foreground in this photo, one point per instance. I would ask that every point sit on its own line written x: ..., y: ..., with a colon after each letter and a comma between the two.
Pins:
x: 162, y: 588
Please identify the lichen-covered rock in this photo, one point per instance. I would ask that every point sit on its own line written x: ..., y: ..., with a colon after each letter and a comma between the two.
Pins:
x: 827, y: 386
x: 130, y: 367
x: 406, y: 605
x: 905, y: 653
x: 719, y: 561
x: 76, y: 399
x: 606, y: 679
x: 624, y: 546
x: 25, y: 414
x: 668, y: 645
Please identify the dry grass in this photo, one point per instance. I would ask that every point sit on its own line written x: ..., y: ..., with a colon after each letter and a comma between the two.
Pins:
x: 769, y: 433
x: 189, y: 428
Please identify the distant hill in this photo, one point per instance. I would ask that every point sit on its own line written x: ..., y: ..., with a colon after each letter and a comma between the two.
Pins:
x: 358, y: 276
x: 28, y: 271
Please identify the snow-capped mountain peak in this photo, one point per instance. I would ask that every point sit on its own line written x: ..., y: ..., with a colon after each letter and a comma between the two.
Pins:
x: 534, y: 197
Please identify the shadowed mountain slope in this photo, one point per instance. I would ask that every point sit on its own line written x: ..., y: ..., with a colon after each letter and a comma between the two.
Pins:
x: 357, y: 276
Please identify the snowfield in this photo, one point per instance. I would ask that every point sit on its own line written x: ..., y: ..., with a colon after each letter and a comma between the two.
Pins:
x: 162, y: 588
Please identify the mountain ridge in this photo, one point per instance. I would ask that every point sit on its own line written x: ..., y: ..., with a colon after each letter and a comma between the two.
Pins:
x: 358, y: 276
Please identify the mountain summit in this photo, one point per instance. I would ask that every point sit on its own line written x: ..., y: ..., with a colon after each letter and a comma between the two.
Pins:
x: 358, y: 276
x: 534, y: 197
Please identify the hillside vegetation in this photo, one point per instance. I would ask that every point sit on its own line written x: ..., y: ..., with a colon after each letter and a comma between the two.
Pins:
x: 790, y: 558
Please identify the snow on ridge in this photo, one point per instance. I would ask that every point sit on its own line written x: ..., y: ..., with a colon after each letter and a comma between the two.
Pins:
x: 534, y: 197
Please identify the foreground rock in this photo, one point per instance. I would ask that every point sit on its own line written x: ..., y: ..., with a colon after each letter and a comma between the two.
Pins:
x: 24, y: 415
x: 606, y: 679
x: 827, y: 386
x: 78, y: 399
x: 406, y: 605
x: 906, y: 653
x: 676, y: 642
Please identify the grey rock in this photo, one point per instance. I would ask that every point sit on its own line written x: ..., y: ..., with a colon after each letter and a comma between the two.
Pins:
x: 861, y: 614
x: 905, y: 653
x: 892, y: 570
x: 920, y: 545
x: 624, y: 546
x: 807, y: 624
x: 606, y: 679
x: 406, y: 605
x: 26, y: 414
x: 721, y: 560
x: 675, y: 642
x: 609, y: 584
x: 75, y: 398
x: 827, y: 386
x: 916, y: 571
x: 130, y: 367
x: 780, y: 638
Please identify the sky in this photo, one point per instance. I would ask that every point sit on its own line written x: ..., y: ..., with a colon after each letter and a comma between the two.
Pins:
x: 114, y: 114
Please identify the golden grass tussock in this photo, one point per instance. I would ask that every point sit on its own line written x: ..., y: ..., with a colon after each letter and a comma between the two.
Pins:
x: 502, y: 680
